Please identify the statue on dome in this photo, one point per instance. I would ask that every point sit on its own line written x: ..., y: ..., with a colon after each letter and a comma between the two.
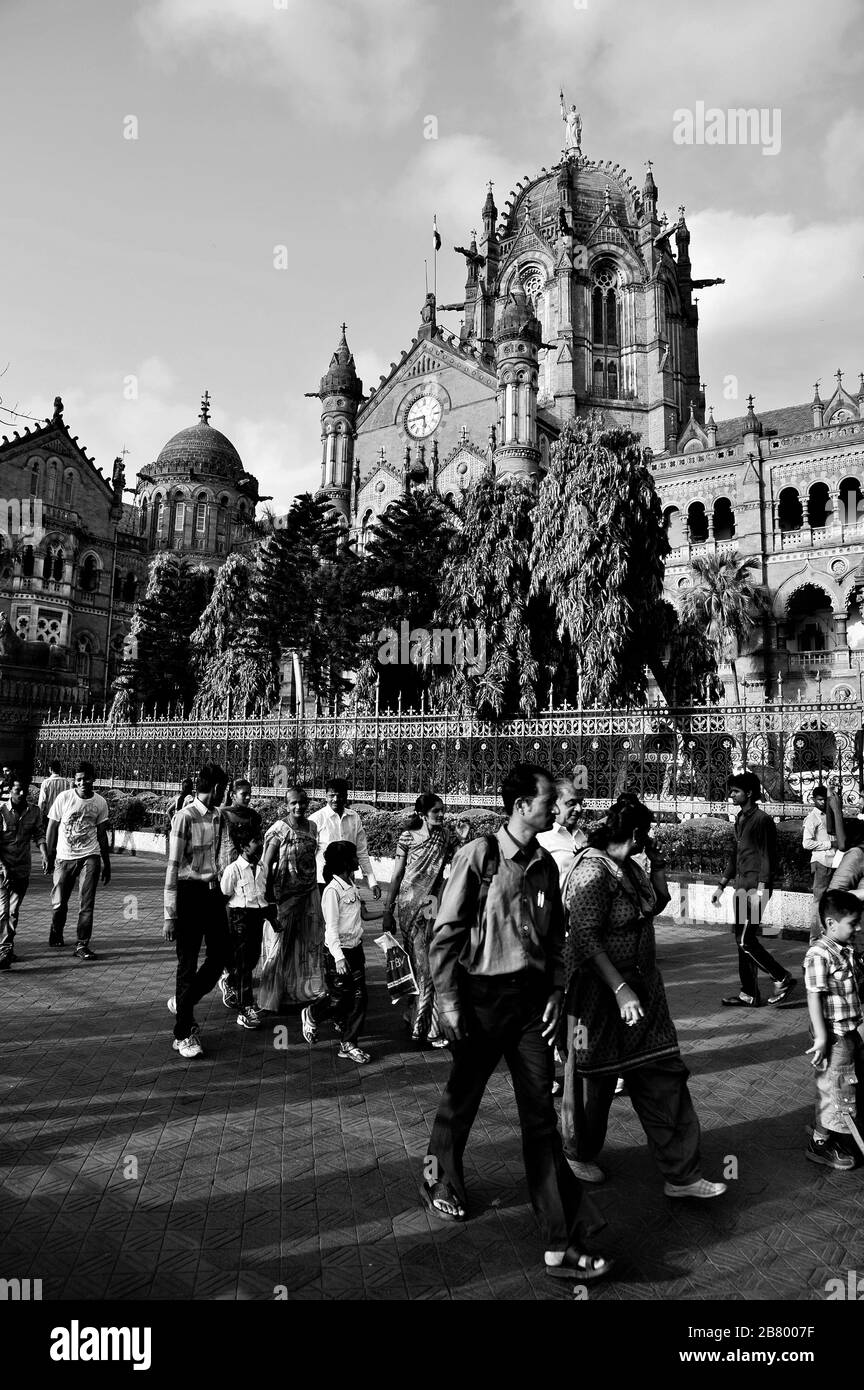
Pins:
x: 572, y: 128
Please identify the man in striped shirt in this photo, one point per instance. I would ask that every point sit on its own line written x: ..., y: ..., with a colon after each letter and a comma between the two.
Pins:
x: 194, y: 906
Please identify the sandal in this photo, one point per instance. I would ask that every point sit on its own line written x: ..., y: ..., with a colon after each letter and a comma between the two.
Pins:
x: 583, y: 1268
x: 442, y: 1192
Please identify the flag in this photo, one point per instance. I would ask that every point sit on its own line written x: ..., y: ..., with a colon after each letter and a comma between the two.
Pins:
x: 436, y: 239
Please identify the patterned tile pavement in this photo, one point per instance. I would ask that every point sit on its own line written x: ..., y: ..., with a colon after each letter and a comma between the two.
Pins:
x: 127, y: 1172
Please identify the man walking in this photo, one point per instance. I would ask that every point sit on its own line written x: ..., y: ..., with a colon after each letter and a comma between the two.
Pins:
x: 193, y: 905
x: 497, y: 961
x: 53, y: 785
x: 334, y: 822
x: 823, y: 848
x: 564, y: 839
x: 20, y: 829
x: 751, y: 867
x: 76, y: 838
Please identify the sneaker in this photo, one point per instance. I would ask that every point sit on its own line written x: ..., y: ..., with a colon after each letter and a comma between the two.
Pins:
x: 245, y: 1020
x: 700, y: 1188
x: 352, y: 1053
x: 741, y: 1001
x: 229, y: 994
x: 829, y: 1153
x: 84, y: 953
x: 619, y: 1086
x: 586, y: 1172
x: 307, y: 1023
x: 188, y: 1047
x: 255, y: 1013
x: 172, y: 1004
x: 782, y: 991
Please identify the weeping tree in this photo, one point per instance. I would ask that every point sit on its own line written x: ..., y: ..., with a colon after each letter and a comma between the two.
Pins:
x: 597, y: 555
x: 488, y: 602
x: 157, y: 670
x: 399, y: 579
x: 215, y: 641
x: 726, y: 604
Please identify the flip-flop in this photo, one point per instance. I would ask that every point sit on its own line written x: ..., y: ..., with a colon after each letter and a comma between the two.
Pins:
x: 595, y: 1267
x: 429, y: 1199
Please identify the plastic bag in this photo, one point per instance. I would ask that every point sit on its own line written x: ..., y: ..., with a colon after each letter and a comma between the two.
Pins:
x: 400, y: 977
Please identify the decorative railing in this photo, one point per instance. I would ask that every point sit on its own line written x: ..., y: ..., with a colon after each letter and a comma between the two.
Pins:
x: 677, y: 760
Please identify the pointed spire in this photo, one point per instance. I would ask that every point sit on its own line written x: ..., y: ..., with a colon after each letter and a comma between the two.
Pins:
x: 204, y: 417
x: 817, y: 399
x: 490, y: 212
x: 751, y: 420
x: 341, y: 376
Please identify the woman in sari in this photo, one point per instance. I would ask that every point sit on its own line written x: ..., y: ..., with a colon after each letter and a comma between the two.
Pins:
x: 292, y: 964
x: 618, y: 1021
x: 412, y: 901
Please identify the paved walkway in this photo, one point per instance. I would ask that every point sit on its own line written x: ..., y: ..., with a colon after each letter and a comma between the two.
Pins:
x: 129, y: 1173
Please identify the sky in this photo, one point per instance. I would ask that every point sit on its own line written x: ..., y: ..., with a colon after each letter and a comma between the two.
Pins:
x: 158, y: 154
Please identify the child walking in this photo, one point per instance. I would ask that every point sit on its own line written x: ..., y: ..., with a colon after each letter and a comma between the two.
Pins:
x: 344, y: 962
x: 244, y: 884
x: 837, y: 1054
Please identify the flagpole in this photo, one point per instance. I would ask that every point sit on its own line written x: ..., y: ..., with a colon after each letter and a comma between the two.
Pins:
x: 435, y: 258
x: 426, y: 274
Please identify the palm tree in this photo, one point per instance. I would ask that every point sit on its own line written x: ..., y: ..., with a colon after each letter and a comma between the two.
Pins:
x: 725, y: 604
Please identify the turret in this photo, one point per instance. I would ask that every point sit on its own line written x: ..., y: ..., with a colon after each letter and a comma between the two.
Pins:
x: 518, y: 336
x: 340, y: 393
x: 818, y: 408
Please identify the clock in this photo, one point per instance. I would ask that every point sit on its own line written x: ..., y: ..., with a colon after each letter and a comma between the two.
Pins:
x: 423, y: 417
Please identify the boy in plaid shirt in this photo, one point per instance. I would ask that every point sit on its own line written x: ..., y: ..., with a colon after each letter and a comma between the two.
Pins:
x: 831, y: 974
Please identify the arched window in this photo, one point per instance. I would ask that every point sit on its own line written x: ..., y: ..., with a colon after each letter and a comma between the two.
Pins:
x: 605, y: 328
x: 130, y: 588
x: 612, y: 379
x: 54, y: 564
x: 724, y: 520
x: 818, y: 505
x: 27, y: 560
x: 222, y: 524
x: 52, y: 480
x: 851, y: 509
x: 790, y: 513
x: 201, y: 519
x: 178, y: 519
x: 674, y: 527
x: 366, y: 530
x: 156, y: 519
x: 89, y: 579
x: 68, y: 487
x: 34, y: 478
x: 697, y: 523
x: 142, y: 527
x: 84, y: 658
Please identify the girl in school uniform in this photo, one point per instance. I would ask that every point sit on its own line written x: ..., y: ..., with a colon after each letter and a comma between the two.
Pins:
x: 344, y: 962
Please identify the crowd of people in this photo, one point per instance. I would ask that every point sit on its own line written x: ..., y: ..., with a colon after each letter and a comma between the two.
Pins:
x: 531, y: 944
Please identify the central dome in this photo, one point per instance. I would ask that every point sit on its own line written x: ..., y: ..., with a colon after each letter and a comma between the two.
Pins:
x: 201, y: 449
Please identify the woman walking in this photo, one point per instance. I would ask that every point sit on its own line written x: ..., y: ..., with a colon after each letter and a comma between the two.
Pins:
x: 618, y: 1021
x: 292, y: 954
x: 412, y: 902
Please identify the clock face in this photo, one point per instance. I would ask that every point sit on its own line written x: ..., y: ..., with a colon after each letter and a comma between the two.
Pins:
x: 423, y: 417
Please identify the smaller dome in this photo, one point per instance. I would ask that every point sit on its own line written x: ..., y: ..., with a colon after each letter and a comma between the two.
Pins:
x: 201, y: 449
x: 516, y: 319
x: 341, y: 377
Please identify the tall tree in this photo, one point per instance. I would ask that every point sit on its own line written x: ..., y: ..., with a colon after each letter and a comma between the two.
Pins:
x: 401, y: 575
x: 725, y: 604
x: 158, y: 671
x: 598, y: 552
x: 215, y: 640
x: 486, y: 596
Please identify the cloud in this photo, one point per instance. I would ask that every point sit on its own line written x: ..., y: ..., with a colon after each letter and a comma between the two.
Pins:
x: 844, y: 162
x: 322, y: 54
x: 776, y: 293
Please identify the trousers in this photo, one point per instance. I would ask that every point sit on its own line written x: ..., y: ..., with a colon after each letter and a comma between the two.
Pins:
x: 505, y: 1019
x: 752, y: 956
x: 661, y: 1098
x: 12, y: 892
x: 246, y: 928
x: 200, y: 919
x: 346, y: 998
x: 68, y: 872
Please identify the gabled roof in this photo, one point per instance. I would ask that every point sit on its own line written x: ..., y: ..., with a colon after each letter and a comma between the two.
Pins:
x: 41, y: 436
x: 441, y: 339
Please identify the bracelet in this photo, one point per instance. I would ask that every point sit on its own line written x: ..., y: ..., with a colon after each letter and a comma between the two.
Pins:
x: 623, y: 985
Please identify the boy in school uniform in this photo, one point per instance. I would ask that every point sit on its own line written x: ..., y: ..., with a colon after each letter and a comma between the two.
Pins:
x: 244, y: 884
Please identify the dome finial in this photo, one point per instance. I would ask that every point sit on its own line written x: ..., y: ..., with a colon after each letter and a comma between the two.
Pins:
x: 204, y: 417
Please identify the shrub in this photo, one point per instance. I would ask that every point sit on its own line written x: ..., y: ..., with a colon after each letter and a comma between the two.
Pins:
x: 702, y: 847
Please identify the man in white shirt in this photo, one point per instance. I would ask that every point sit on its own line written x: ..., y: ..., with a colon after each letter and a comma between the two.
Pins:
x: 76, y: 837
x: 564, y: 840
x: 823, y: 848
x: 53, y: 785
x: 335, y: 822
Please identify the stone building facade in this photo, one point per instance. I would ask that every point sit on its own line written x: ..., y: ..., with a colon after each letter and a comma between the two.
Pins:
x: 75, y: 548
x: 579, y: 297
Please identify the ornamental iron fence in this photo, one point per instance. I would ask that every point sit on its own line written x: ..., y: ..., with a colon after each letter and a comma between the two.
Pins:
x: 677, y: 760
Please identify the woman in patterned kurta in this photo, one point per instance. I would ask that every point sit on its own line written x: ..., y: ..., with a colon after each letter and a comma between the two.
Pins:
x: 418, y: 874
x: 618, y: 1019
x: 292, y: 964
